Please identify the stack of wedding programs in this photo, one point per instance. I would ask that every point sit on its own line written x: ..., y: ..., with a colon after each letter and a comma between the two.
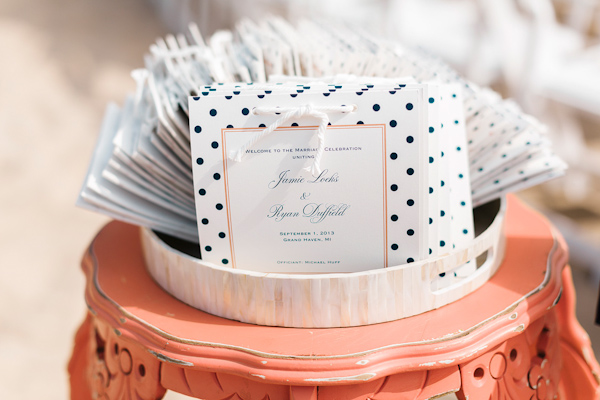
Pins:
x: 316, y: 148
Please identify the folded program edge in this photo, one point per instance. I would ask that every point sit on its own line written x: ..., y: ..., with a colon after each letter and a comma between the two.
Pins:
x: 143, y: 169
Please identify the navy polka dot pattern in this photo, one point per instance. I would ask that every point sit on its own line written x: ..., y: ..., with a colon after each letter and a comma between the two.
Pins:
x: 433, y: 136
x: 483, y: 114
x: 494, y: 127
x: 396, y: 125
x: 373, y: 112
x: 455, y: 182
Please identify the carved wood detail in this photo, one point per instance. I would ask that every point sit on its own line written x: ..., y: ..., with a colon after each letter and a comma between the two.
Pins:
x: 512, y: 339
x: 415, y: 385
x: 550, y: 359
x: 526, y: 366
x: 119, y: 369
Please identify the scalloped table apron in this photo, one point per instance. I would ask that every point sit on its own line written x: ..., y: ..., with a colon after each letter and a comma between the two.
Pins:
x: 514, y: 338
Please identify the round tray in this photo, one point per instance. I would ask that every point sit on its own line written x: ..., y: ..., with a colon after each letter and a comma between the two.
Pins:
x: 326, y: 300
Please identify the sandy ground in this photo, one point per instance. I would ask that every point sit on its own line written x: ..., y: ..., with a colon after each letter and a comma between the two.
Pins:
x: 62, y: 61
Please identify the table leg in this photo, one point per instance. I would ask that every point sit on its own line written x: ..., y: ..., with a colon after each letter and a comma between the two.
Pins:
x: 580, y: 378
x: 106, y: 366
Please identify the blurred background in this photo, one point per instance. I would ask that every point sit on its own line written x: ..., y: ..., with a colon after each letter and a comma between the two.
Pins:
x: 63, y: 60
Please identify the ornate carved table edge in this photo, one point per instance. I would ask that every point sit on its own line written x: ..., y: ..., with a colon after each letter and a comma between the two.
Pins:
x: 442, y: 351
x: 112, y: 361
x: 108, y: 366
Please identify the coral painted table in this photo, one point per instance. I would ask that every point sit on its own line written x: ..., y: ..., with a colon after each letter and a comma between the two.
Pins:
x: 514, y: 338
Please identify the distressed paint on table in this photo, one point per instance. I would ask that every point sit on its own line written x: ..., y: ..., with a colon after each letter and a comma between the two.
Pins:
x: 505, y: 340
